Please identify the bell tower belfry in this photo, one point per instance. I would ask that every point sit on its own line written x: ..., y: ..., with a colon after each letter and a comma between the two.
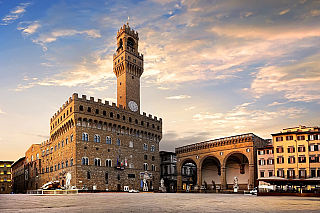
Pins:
x: 128, y: 67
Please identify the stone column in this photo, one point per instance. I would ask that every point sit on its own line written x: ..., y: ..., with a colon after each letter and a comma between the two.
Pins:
x: 223, y: 178
x: 251, y: 176
x: 179, y: 180
x: 199, y: 177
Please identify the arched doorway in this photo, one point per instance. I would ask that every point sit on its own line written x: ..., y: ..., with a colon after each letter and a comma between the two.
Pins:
x: 237, y: 165
x: 189, y: 175
x: 211, y: 172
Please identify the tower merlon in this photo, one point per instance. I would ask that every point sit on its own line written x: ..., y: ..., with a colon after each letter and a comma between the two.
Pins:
x: 75, y: 96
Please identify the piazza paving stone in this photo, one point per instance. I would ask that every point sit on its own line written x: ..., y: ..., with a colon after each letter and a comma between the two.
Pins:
x: 156, y: 202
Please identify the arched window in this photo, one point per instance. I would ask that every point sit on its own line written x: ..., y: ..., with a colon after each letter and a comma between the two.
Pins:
x: 130, y: 144
x: 118, y: 142
x: 145, y: 166
x: 89, y: 109
x: 37, y: 156
x: 152, y: 148
x: 66, y: 141
x: 51, y: 149
x: 80, y: 108
x: 58, y: 166
x: 67, y: 163
x: 55, y: 167
x: 97, y: 138
x: 55, y: 148
x: 85, y: 136
x: 85, y: 161
x: 111, y: 115
x: 97, y: 111
x: 71, y: 138
x: 108, y: 163
x: 145, y: 146
x: 108, y: 140
x: 88, y: 175
x: 131, y: 165
x: 97, y: 162
x: 47, y: 151
x: 62, y: 165
x: 153, y: 167
x: 62, y: 144
x: 71, y: 162
x: 31, y: 157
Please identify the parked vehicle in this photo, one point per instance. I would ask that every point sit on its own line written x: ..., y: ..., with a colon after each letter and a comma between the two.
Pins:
x: 254, y: 191
x: 133, y: 191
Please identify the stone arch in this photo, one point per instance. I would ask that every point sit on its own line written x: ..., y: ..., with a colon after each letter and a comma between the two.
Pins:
x: 234, y: 152
x: 210, y: 167
x: 188, y: 170
x: 236, y: 164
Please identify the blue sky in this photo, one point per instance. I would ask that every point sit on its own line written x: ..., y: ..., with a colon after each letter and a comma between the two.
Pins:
x: 212, y: 68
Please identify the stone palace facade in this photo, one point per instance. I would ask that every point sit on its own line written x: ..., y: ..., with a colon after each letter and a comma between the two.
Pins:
x: 103, y: 146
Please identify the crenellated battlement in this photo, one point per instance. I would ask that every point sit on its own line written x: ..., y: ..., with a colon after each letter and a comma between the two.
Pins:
x: 91, y: 100
x: 126, y: 29
x: 113, y: 105
x: 65, y: 105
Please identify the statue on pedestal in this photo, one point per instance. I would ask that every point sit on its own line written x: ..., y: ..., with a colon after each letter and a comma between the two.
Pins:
x: 145, y: 184
x: 235, y: 184
x: 162, y: 188
x: 68, y: 179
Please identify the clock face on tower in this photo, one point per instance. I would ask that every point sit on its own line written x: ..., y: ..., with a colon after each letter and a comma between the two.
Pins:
x: 133, y: 106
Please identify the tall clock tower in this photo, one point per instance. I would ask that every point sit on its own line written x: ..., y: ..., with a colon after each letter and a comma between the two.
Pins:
x: 128, y: 67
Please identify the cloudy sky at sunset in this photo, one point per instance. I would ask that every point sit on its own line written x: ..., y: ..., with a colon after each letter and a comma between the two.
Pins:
x: 212, y: 68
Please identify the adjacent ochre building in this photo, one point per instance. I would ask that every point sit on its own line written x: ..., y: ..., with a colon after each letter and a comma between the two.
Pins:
x: 103, y: 146
x: 296, y: 152
x: 5, y: 177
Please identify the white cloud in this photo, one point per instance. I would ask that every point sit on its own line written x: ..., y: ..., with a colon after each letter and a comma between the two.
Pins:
x: 276, y: 103
x: 30, y: 29
x: 14, y: 14
x: 190, y: 108
x: 284, y: 12
x: 163, y: 88
x: 1, y: 112
x: 244, y: 116
x: 53, y: 36
x: 298, y: 81
x: 178, y: 97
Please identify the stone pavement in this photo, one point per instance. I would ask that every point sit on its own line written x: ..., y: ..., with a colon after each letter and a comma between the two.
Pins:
x: 156, y: 202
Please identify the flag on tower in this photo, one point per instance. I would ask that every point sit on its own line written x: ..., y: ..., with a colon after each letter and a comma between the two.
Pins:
x: 125, y: 162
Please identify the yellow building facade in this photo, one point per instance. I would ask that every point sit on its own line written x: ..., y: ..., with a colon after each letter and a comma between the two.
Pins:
x: 5, y: 177
x: 297, y: 152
